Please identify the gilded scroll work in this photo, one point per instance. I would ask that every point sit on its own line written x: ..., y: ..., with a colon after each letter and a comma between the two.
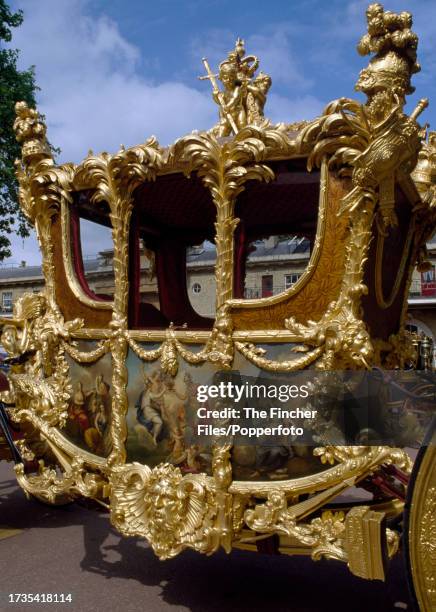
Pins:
x: 375, y: 140
x: 113, y: 179
x: 41, y: 186
x: 224, y: 170
x: 42, y: 385
x: 197, y: 511
x: 173, y: 511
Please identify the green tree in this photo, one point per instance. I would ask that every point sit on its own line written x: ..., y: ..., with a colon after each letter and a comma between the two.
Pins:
x: 15, y: 85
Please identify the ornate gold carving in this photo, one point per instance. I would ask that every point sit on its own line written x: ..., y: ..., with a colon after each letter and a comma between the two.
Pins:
x: 424, y: 174
x: 376, y: 455
x: 368, y: 543
x: 40, y: 390
x: 243, y: 98
x: 373, y: 143
x: 329, y: 535
x: 50, y: 487
x: 394, y: 44
x: 324, y: 535
x: 31, y: 132
x: 119, y: 348
x: 256, y: 354
x: 341, y: 335
x: 376, y: 140
x: 86, y: 356
x: 224, y: 169
x: 162, y: 506
x: 42, y: 188
x: 43, y: 434
x: 402, y: 351
x: 427, y: 543
x: 218, y: 349
x: 172, y: 511
x: 348, y: 461
x: 41, y: 386
x: 113, y: 179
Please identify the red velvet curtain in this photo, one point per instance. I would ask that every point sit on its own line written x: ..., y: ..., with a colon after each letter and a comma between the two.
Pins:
x: 173, y: 292
x: 240, y: 258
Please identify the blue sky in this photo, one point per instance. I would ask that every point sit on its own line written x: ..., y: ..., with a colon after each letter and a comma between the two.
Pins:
x: 114, y: 71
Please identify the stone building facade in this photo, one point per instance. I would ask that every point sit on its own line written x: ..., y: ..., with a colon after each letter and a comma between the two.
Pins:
x: 272, y: 266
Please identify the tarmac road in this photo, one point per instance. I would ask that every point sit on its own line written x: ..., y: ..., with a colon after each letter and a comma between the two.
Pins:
x: 74, y: 550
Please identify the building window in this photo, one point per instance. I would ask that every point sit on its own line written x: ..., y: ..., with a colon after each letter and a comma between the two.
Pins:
x: 267, y: 285
x: 196, y: 288
x: 291, y: 279
x: 428, y: 283
x: 428, y: 276
x: 7, y: 301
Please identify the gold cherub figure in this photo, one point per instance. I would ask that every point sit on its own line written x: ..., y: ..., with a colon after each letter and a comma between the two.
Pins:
x: 243, y: 97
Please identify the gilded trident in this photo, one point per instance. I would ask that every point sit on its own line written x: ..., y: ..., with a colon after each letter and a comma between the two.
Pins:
x: 219, y: 94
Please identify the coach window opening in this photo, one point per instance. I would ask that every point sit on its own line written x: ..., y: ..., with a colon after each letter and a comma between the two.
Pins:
x: 172, y: 218
x: 92, y: 248
x: 276, y: 231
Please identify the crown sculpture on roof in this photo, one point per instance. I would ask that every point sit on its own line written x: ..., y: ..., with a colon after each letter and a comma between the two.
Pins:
x: 242, y: 99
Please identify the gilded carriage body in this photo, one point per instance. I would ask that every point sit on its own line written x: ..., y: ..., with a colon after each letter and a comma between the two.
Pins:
x: 103, y: 386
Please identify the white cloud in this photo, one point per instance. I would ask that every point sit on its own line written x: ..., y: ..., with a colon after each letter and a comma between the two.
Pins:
x: 94, y: 96
x: 274, y: 47
x: 91, y: 92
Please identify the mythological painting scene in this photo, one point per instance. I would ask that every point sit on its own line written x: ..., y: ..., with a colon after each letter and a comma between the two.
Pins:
x: 163, y: 420
x: 89, y: 407
x: 165, y: 413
